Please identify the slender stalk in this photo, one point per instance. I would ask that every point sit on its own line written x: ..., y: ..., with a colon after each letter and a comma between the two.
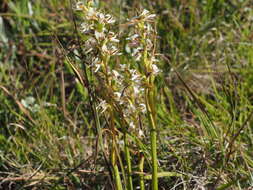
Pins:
x: 115, y: 168
x: 129, y: 167
x: 154, y: 160
x: 121, y: 166
x: 141, y: 166
x: 153, y: 134
x: 117, y: 178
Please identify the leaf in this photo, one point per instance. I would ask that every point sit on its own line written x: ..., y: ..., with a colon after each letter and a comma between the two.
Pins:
x: 164, y: 174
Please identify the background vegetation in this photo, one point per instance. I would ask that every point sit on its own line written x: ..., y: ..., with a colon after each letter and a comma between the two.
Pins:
x: 204, y: 97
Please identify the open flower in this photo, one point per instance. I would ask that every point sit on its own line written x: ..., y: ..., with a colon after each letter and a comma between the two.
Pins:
x: 155, y: 69
x: 145, y: 15
x: 109, y: 19
x: 79, y: 6
x: 103, y: 106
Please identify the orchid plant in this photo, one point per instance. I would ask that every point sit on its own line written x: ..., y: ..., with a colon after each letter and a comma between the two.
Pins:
x: 127, y: 96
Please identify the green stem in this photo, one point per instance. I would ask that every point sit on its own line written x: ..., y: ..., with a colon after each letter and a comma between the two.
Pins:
x: 153, y: 133
x: 121, y: 165
x: 116, y: 169
x: 154, y: 160
x: 117, y: 178
x: 114, y: 154
x: 129, y: 167
x: 141, y: 166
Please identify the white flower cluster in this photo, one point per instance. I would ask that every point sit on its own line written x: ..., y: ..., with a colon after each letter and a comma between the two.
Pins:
x: 129, y: 95
x: 126, y: 83
x: 129, y: 90
x: 100, y: 40
x: 140, y: 42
